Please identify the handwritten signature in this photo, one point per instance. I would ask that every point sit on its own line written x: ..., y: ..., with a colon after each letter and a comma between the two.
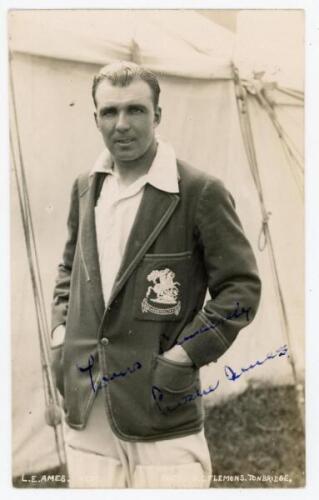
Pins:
x: 106, y: 380
x: 237, y: 312
x: 159, y: 396
x: 230, y: 373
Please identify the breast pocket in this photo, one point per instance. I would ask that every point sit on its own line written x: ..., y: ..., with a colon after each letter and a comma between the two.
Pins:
x: 162, y: 286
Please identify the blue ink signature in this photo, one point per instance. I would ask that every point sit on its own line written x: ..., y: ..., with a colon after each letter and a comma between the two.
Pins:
x: 235, y: 313
x: 159, y: 396
x: 230, y: 374
x: 105, y: 380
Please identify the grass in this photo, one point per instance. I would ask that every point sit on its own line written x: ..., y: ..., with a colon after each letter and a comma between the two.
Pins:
x: 253, y: 438
x: 259, y: 433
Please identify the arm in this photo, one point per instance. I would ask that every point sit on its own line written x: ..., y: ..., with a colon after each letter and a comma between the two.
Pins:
x: 233, y: 280
x: 62, y: 285
x: 62, y: 291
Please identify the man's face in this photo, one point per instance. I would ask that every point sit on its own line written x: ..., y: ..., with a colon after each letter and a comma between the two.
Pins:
x: 126, y: 118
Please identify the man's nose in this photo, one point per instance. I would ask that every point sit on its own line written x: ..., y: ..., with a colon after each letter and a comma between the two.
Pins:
x: 122, y: 121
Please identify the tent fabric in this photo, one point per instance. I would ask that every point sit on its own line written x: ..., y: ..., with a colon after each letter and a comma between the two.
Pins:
x: 200, y: 119
x: 271, y: 41
x: 169, y: 42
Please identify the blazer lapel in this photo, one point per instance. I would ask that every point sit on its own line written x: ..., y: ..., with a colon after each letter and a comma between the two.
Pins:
x: 155, y: 210
x: 88, y: 241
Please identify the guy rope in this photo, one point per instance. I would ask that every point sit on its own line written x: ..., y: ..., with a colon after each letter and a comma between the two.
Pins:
x: 265, y: 238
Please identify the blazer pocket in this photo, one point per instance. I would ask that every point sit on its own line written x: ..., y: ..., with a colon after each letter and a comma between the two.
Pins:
x: 162, y: 286
x: 174, y: 394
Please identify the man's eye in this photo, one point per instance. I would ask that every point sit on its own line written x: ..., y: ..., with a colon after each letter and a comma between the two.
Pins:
x: 136, y: 110
x: 108, y: 112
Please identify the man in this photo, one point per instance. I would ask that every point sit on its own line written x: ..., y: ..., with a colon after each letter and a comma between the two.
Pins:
x: 148, y: 235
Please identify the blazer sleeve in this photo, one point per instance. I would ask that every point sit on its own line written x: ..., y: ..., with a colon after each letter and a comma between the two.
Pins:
x: 62, y: 285
x: 233, y: 280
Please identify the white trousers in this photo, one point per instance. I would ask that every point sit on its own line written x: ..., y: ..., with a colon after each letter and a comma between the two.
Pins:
x: 97, y: 458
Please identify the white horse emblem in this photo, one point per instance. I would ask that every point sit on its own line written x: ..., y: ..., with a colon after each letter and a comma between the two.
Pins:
x: 164, y: 291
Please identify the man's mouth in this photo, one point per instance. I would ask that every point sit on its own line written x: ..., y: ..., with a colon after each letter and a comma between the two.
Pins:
x: 124, y: 141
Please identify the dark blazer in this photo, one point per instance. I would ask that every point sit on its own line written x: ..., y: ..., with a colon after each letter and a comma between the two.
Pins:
x: 180, y: 245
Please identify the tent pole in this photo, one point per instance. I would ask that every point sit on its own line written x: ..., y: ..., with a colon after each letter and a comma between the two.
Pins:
x: 51, y: 398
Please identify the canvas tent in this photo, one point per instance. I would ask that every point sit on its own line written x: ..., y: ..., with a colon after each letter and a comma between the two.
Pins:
x: 54, y: 55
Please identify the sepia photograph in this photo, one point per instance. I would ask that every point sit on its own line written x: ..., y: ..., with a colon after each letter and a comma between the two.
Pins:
x: 157, y: 248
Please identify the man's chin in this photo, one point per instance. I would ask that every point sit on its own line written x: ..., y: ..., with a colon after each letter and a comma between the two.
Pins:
x: 125, y: 155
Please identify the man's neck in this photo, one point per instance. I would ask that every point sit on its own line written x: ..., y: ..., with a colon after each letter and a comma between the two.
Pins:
x: 130, y: 171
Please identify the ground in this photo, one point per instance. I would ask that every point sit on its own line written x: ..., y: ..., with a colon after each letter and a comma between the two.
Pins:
x: 259, y: 433
x: 256, y: 439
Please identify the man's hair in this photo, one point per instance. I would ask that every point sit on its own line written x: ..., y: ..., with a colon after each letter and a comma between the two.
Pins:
x: 122, y: 73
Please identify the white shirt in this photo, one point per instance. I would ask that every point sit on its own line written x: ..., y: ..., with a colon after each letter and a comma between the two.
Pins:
x: 116, y: 208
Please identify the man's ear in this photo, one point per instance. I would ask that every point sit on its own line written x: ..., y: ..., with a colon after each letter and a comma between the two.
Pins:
x: 157, y: 116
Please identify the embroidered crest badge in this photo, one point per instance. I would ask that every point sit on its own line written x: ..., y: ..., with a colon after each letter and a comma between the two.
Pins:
x: 164, y: 293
